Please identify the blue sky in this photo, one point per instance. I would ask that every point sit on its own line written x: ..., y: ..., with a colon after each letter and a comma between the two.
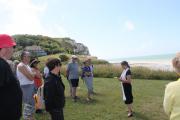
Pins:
x: 110, y: 28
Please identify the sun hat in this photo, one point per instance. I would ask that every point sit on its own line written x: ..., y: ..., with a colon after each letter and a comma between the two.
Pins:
x: 6, y: 41
x: 74, y: 57
x: 33, y: 61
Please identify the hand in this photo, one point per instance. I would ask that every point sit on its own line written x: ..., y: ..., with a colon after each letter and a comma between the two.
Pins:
x: 120, y: 79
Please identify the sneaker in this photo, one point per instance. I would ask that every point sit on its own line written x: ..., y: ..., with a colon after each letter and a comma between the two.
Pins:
x: 39, y: 111
x: 76, y: 97
x: 88, y: 99
x: 130, y: 114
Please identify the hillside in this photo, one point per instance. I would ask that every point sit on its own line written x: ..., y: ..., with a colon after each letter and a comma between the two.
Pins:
x: 50, y: 45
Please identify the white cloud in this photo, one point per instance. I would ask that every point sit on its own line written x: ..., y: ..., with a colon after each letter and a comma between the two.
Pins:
x: 129, y: 25
x: 25, y: 18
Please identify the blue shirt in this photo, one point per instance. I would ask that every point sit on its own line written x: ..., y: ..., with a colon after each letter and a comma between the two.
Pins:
x: 73, y: 71
x: 86, y: 71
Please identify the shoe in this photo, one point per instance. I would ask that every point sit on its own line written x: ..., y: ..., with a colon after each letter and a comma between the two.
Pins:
x: 88, y: 99
x: 94, y: 93
x: 76, y: 97
x: 39, y: 111
x: 130, y: 114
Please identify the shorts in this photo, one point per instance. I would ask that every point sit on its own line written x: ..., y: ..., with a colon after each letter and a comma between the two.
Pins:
x: 74, y: 82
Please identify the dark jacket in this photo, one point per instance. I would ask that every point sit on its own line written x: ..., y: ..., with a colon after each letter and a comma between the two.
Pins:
x: 10, y: 93
x: 54, y: 93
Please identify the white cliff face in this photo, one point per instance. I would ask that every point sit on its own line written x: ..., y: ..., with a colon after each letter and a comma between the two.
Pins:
x: 79, y: 48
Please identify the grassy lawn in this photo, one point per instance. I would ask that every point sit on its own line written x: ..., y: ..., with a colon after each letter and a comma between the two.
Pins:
x: 108, y: 104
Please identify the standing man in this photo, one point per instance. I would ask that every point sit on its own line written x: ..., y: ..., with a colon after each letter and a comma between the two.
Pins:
x: 72, y: 74
x: 26, y: 79
x: 10, y: 91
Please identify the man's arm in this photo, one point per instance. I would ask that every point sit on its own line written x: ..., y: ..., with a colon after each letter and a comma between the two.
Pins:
x: 25, y: 72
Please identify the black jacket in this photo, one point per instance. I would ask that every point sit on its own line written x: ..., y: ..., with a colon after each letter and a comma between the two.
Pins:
x: 10, y: 93
x: 54, y: 93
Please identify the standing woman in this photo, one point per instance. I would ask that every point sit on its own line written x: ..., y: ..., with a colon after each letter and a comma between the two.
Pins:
x: 92, y: 69
x: 88, y: 79
x: 54, y: 91
x: 38, y: 85
x: 125, y: 79
x: 38, y: 76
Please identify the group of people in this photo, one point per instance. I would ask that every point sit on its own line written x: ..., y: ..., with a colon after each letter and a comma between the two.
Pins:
x: 22, y: 85
x: 72, y: 75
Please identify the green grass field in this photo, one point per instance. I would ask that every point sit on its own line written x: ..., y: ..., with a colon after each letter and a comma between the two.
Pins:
x: 108, y: 104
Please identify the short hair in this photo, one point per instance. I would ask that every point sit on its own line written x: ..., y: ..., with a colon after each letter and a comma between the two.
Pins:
x: 23, y: 54
x: 51, y: 64
x: 176, y: 62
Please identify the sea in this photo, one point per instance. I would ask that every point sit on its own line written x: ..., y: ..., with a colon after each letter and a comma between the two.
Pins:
x: 160, y: 62
x: 164, y: 58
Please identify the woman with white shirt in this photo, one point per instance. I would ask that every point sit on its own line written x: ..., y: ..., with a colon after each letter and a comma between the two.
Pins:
x: 125, y: 80
x: 26, y: 79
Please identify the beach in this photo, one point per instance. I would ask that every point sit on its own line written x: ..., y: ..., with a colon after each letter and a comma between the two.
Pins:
x: 165, y: 66
x: 154, y: 65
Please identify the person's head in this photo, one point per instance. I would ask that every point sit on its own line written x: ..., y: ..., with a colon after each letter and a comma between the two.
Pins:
x: 54, y: 65
x: 86, y: 63
x: 34, y: 63
x: 176, y: 63
x: 7, y: 45
x: 89, y: 60
x: 25, y: 57
x: 125, y: 64
x: 74, y: 58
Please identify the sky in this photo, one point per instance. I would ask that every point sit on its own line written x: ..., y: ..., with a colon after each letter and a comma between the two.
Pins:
x: 110, y: 28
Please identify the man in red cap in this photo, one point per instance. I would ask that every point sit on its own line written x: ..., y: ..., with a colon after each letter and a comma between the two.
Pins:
x: 10, y: 91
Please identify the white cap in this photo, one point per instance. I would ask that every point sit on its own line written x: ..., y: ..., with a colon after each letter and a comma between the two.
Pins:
x: 74, y: 57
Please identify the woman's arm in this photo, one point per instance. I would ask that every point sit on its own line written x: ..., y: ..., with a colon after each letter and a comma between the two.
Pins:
x: 128, y: 79
x: 38, y: 73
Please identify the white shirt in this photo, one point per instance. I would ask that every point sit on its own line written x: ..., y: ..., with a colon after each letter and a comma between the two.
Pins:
x: 123, y: 75
x: 46, y: 71
x: 21, y: 77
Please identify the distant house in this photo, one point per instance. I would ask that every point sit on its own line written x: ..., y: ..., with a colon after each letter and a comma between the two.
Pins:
x: 36, y: 50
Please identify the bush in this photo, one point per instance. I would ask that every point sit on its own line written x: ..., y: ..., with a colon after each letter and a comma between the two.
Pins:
x: 64, y: 58
x: 111, y: 71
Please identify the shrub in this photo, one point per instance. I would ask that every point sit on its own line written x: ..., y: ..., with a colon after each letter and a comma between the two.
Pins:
x: 64, y: 58
x: 111, y: 71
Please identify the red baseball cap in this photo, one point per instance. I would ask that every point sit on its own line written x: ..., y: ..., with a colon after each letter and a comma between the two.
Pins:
x: 6, y: 41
